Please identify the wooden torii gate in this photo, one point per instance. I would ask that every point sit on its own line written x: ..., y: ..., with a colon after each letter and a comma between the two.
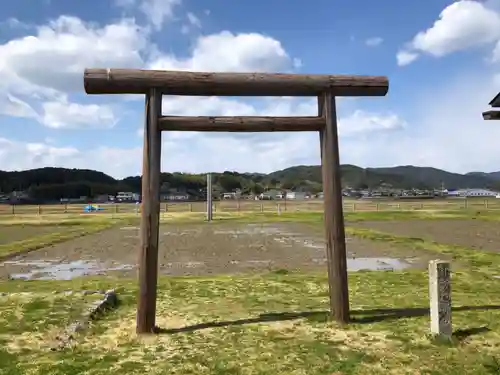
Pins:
x: 153, y: 84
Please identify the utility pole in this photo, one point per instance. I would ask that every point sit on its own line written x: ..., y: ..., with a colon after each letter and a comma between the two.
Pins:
x: 209, y: 197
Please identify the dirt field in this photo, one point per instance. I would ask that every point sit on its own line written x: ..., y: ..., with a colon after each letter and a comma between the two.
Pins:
x: 202, y: 249
x: 478, y: 234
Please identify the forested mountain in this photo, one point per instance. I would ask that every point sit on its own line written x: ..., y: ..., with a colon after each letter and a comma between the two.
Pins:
x: 56, y: 183
x: 491, y: 175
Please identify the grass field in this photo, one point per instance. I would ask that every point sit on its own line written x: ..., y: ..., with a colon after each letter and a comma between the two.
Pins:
x: 232, y: 206
x: 247, y: 294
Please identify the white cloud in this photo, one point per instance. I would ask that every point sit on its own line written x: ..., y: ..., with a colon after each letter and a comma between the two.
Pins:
x: 205, y: 106
x: 405, y: 57
x: 461, y: 25
x: 361, y: 122
x: 495, y: 56
x: 64, y: 47
x: 226, y: 51
x: 193, y: 23
x: 193, y: 20
x: 62, y: 50
x: 14, y: 23
x: 18, y: 156
x: 460, y: 140
x: 373, y: 42
x: 449, y: 133
x: 124, y: 3
x: 62, y: 114
x: 158, y: 11
x: 233, y: 52
x: 15, y: 107
x: 40, y: 70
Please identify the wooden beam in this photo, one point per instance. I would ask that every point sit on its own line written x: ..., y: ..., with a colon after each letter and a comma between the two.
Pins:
x: 334, y: 217
x: 491, y: 115
x: 136, y: 81
x: 241, y: 124
x: 150, y: 216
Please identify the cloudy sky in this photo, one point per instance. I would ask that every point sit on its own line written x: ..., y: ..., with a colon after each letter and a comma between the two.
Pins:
x: 442, y: 59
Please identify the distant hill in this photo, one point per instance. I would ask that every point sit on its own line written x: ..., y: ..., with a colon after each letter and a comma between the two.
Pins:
x: 492, y: 175
x: 434, y: 178
x: 55, y: 183
x: 404, y: 177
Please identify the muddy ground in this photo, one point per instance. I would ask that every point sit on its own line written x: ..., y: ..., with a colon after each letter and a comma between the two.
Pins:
x: 477, y: 234
x: 203, y: 249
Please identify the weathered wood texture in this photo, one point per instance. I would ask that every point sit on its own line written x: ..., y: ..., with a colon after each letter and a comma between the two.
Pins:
x: 333, y: 216
x: 135, y: 81
x: 241, y: 124
x: 150, y: 216
x: 440, y: 298
x: 491, y: 115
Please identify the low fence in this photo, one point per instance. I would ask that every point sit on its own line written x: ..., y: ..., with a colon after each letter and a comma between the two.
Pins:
x: 260, y: 206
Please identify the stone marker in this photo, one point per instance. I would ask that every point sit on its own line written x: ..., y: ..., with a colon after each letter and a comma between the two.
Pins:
x: 109, y: 301
x: 279, y: 209
x: 440, y: 298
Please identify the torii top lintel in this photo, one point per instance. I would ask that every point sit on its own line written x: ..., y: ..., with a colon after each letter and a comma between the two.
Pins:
x: 137, y: 81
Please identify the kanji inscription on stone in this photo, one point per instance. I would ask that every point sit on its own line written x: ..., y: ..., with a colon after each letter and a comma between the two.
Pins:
x: 440, y: 298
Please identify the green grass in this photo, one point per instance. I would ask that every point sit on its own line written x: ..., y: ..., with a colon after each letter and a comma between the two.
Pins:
x: 305, y: 216
x: 244, y: 217
x: 271, y: 324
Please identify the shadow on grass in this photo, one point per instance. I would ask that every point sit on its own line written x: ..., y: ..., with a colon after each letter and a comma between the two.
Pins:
x: 369, y: 316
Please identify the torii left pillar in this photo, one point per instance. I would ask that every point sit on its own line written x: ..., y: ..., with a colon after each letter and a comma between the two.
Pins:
x: 150, y: 215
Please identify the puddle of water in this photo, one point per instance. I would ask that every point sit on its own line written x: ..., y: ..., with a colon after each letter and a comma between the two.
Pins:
x: 372, y: 264
x: 57, y: 270
x: 54, y: 270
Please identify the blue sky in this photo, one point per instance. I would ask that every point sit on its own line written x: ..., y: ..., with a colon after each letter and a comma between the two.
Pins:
x: 441, y: 58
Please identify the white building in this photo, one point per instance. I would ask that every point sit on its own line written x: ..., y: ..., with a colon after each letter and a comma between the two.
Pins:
x: 295, y: 195
x: 127, y: 196
x: 470, y: 193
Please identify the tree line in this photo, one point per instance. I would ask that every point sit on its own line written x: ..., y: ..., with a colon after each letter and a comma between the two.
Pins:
x: 56, y: 183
